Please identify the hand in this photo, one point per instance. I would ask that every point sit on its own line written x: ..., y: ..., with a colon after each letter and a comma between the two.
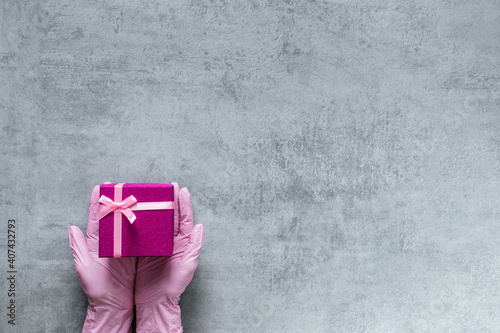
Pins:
x: 160, y: 281
x: 108, y: 282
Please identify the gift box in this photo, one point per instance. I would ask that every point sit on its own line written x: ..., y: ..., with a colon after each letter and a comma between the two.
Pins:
x: 136, y: 220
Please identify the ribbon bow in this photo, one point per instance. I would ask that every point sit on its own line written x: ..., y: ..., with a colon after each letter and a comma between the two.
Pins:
x: 122, y: 206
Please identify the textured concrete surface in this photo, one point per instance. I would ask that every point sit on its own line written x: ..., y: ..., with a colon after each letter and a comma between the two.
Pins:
x: 344, y: 156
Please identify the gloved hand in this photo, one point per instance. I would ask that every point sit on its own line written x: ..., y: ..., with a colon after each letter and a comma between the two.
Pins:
x: 160, y: 281
x: 108, y: 282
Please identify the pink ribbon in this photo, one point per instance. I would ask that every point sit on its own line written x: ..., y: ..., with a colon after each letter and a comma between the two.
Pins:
x: 125, y: 207
x: 111, y: 206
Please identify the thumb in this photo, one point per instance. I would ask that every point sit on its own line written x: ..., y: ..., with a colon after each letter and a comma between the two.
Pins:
x: 81, y: 254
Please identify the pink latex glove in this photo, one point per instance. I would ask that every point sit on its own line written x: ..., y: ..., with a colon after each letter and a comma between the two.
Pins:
x: 108, y: 282
x: 160, y: 281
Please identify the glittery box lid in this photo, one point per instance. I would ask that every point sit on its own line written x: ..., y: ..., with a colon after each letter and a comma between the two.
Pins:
x: 153, y: 230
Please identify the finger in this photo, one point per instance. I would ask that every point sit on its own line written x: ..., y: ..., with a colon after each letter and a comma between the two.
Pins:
x: 93, y: 224
x: 186, y: 222
x: 195, y: 244
x: 81, y: 255
x: 180, y: 278
x: 176, y: 208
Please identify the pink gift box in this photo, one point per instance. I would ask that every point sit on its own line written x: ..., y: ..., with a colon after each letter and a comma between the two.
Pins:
x: 145, y: 215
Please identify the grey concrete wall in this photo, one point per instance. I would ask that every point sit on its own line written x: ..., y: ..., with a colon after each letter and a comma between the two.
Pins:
x: 343, y: 156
